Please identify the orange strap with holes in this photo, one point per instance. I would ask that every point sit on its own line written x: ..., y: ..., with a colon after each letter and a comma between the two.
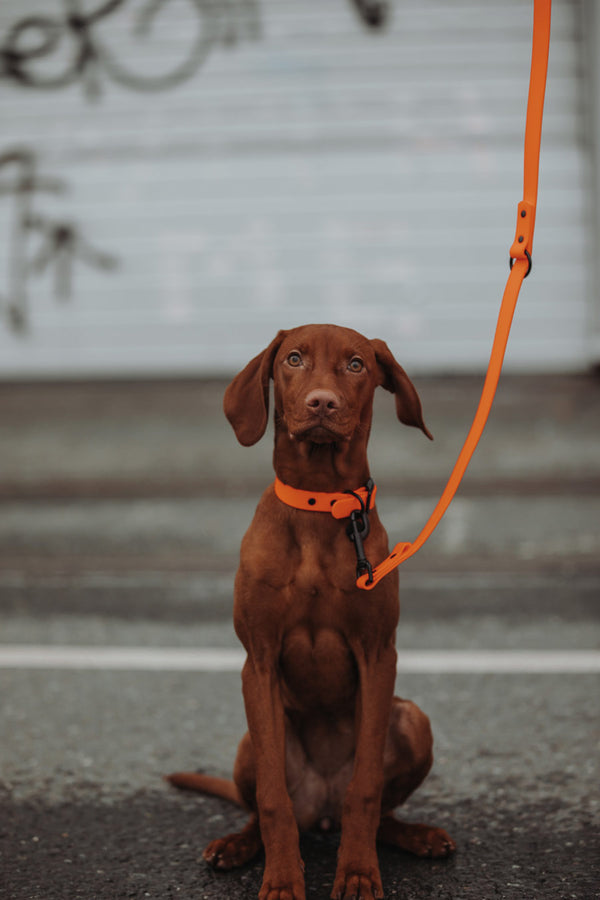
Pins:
x: 339, y: 504
x: 520, y: 262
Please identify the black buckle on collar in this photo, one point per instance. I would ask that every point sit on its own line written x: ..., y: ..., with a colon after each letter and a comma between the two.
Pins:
x: 358, y: 531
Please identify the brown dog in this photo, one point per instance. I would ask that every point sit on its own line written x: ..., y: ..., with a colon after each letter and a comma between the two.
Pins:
x: 328, y: 743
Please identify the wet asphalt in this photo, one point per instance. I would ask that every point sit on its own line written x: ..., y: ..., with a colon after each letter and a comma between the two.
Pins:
x: 121, y: 511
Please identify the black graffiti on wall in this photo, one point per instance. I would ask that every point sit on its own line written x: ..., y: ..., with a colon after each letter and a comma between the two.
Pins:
x: 374, y: 13
x: 72, y: 42
x: 37, y: 243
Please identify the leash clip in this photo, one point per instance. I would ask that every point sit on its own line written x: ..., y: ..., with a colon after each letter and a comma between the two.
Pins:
x: 358, y: 531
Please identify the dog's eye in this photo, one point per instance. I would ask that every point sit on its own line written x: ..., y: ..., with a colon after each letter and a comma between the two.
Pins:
x: 356, y: 364
x: 294, y: 359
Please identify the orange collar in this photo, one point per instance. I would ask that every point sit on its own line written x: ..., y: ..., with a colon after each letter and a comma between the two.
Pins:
x: 339, y: 503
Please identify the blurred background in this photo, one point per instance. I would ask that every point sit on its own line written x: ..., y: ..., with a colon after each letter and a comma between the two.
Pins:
x: 180, y: 178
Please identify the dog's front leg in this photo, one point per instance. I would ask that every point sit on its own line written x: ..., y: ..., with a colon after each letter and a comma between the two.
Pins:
x: 283, y: 877
x: 358, y: 867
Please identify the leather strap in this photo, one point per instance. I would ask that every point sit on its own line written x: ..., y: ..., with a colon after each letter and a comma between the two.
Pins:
x: 337, y: 503
x: 520, y: 253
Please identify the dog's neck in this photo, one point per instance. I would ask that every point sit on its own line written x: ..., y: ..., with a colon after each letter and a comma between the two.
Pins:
x: 336, y: 466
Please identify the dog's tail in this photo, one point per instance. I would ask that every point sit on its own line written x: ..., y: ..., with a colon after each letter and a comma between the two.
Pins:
x: 206, y: 784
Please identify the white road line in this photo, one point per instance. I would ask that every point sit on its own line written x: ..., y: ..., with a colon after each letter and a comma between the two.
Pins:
x: 180, y: 659
x: 159, y: 659
x: 500, y: 661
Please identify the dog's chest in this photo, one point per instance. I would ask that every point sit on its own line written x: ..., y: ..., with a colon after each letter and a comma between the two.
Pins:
x: 323, y: 565
x: 318, y: 668
x: 313, y: 574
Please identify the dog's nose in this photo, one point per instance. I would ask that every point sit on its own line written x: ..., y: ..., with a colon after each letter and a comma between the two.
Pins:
x: 323, y: 403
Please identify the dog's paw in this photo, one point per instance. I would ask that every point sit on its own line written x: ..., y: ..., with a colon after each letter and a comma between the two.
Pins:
x: 426, y: 841
x: 353, y: 885
x: 289, y: 889
x: 231, y: 852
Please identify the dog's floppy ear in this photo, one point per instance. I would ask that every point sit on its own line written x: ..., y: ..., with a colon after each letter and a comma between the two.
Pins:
x: 395, y: 380
x: 246, y: 401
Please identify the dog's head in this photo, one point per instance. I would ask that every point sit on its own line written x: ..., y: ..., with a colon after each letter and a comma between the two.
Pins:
x: 324, y: 378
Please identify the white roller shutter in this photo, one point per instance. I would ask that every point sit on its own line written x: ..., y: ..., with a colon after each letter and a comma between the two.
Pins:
x: 308, y: 169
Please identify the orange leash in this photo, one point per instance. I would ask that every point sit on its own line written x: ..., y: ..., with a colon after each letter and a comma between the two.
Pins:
x: 520, y: 262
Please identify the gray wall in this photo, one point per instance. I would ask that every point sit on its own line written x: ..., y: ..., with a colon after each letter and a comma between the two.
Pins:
x: 294, y: 166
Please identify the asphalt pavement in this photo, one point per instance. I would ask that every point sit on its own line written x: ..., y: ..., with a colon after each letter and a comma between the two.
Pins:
x: 121, y: 511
